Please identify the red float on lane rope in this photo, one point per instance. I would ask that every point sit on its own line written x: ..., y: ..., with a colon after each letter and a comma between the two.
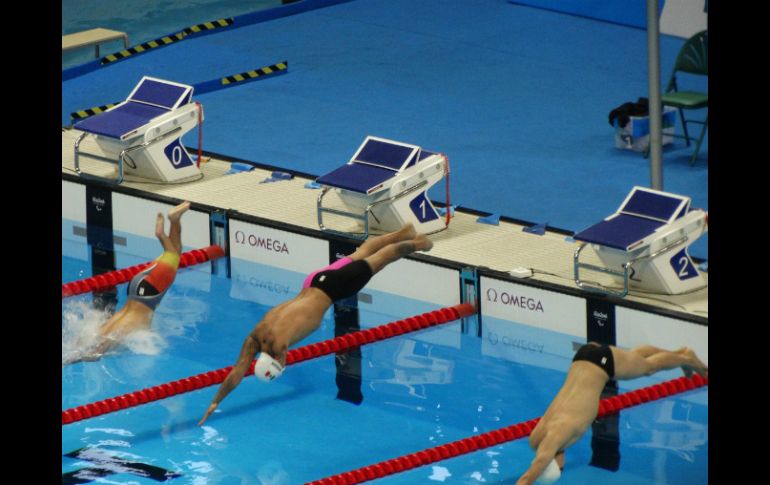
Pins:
x: 108, y: 280
x: 509, y: 433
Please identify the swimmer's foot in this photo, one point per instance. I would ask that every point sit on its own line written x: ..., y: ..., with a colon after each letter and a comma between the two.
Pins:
x: 422, y: 243
x: 159, y: 225
x: 176, y: 213
x: 407, y: 232
x: 694, y: 365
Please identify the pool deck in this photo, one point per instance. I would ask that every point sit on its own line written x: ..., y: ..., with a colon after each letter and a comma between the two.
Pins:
x: 498, y: 247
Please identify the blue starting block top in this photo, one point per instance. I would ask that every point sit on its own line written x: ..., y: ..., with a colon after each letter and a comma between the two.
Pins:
x: 384, y: 154
x: 619, y: 232
x: 375, y: 162
x: 122, y: 120
x: 666, y: 208
x: 642, y: 213
x: 149, y: 99
x: 161, y: 93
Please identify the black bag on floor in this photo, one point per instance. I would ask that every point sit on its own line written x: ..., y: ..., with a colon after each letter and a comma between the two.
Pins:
x: 623, y: 112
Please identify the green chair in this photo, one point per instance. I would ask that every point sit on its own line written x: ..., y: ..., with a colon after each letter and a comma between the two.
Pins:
x: 693, y: 58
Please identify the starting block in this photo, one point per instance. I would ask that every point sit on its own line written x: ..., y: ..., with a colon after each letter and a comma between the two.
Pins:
x: 384, y: 186
x: 644, y: 244
x: 143, y: 134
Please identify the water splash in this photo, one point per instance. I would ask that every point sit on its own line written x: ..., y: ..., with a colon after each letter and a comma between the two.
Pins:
x: 80, y: 328
x: 177, y: 316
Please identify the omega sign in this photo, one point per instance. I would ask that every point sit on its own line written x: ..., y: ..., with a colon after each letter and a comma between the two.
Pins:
x: 254, y: 241
x: 520, y: 301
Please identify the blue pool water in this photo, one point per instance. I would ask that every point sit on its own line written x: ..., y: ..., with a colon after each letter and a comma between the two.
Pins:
x: 148, y: 22
x: 420, y: 390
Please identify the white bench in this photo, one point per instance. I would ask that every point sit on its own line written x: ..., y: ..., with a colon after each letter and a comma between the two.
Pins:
x: 91, y: 37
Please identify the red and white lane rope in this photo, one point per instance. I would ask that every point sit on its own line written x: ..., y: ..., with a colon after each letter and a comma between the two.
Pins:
x: 510, y: 433
x: 339, y: 344
x: 112, y: 278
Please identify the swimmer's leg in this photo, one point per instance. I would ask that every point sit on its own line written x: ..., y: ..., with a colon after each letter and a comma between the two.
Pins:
x: 631, y: 364
x: 375, y: 243
x: 394, y: 252
x: 173, y: 241
x: 648, y: 350
x: 175, y: 231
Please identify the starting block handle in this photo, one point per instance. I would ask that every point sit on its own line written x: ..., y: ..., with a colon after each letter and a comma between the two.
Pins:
x: 121, y: 158
x: 627, y: 266
x: 362, y: 217
x: 321, y: 209
x: 598, y: 289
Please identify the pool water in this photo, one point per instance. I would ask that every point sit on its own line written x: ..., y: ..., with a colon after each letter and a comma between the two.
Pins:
x: 419, y: 391
x: 144, y: 21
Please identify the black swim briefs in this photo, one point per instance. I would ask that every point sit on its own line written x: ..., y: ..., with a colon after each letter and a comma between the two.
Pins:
x: 343, y: 282
x: 600, y: 355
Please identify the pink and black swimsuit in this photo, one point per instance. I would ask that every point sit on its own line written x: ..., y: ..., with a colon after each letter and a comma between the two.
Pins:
x: 341, y: 279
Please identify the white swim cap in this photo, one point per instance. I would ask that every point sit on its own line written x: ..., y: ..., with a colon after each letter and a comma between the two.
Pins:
x: 551, y: 473
x: 267, y: 368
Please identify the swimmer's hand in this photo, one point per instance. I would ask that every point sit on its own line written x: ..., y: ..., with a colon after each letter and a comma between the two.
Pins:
x: 210, y: 410
x: 81, y: 358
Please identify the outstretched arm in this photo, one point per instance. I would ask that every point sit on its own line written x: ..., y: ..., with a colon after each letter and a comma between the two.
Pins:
x: 543, y: 456
x: 248, y: 351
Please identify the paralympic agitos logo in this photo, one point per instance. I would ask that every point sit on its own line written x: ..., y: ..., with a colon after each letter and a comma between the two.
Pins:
x: 255, y: 241
x: 520, y: 301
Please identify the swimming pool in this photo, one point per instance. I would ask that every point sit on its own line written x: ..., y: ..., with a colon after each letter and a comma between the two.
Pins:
x: 419, y: 391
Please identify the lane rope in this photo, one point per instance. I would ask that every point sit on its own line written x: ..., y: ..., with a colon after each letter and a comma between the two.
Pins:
x: 110, y: 279
x: 339, y: 344
x: 607, y: 406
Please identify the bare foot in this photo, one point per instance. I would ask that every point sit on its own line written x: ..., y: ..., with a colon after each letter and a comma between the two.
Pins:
x: 159, y: 225
x: 176, y: 213
x: 407, y: 232
x: 694, y: 365
x: 422, y: 243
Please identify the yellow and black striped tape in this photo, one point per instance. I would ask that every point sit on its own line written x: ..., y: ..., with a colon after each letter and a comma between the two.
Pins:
x: 263, y: 71
x: 169, y: 39
x: 85, y: 113
x: 208, y: 26
x: 138, y: 49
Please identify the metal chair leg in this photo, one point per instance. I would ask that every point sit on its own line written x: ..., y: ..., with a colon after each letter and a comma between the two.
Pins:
x: 684, y: 126
x: 700, y: 140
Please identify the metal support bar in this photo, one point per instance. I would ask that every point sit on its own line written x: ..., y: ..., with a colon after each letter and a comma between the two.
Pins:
x: 121, y: 158
x: 362, y: 217
x: 653, y: 81
x: 627, y: 267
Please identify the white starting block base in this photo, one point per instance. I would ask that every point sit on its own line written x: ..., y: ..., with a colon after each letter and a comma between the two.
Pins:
x: 670, y: 272
x: 383, y: 187
x: 644, y: 245
x: 148, y: 147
